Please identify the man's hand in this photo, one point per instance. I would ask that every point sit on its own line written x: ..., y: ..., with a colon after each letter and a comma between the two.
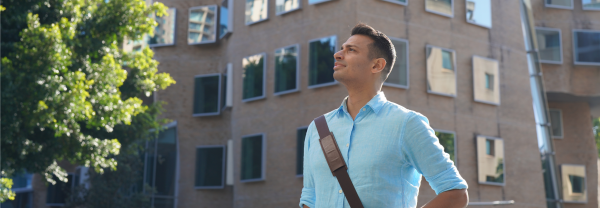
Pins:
x: 458, y: 198
x: 304, y: 206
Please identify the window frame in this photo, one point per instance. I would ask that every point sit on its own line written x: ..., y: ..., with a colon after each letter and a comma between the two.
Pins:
x: 224, y: 148
x: 263, y: 159
x: 229, y: 19
x: 496, y: 75
x: 264, y: 83
x: 217, y: 18
x: 335, y: 82
x: 495, y: 152
x: 585, y: 184
x: 453, y: 65
x: 297, y: 71
x: 174, y: 32
x: 219, y: 104
x: 559, y: 7
x: 588, y: 9
x: 261, y: 20
x: 455, y: 145
x: 575, y: 62
x: 407, y: 64
x: 560, y: 41
x: 481, y: 25
x: 285, y: 12
x: 318, y: 2
x: 439, y: 13
x: 396, y: 2
x: 560, y: 114
x: 298, y: 129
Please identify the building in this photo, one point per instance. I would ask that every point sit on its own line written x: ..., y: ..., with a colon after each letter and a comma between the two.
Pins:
x: 251, y: 75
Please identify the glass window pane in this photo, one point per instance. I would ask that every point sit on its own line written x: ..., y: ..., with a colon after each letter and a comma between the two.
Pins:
x: 253, y: 76
x: 150, y: 160
x: 166, y: 162
x: 485, y: 80
x: 447, y: 141
x: 22, y: 200
x: 164, y: 202
x: 587, y: 47
x: 206, y: 94
x: 256, y: 10
x: 57, y: 194
x: 399, y: 73
x: 286, y: 67
x: 300, y: 137
x: 560, y: 3
x: 591, y: 4
x: 321, y: 60
x: 549, y: 45
x: 574, y: 183
x: 252, y: 157
x: 403, y: 2
x: 441, y: 76
x: 224, y: 91
x: 164, y: 32
x: 443, y: 7
x: 22, y: 181
x: 202, y: 28
x: 282, y: 6
x: 556, y: 123
x: 490, y: 160
x: 317, y: 1
x: 479, y: 12
x: 209, y: 167
x: 224, y: 27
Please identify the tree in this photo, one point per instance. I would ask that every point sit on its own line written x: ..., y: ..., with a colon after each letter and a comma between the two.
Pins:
x: 69, y: 92
x: 596, y: 127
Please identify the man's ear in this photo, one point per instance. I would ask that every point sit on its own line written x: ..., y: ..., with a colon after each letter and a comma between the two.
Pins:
x: 378, y: 65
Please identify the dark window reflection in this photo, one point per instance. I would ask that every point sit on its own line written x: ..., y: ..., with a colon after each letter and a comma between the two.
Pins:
x: 252, y: 148
x: 321, y: 60
x: 587, y: 47
x: 161, y: 166
x: 286, y: 66
x: 206, y: 94
x: 209, y: 166
x: 300, y: 137
x: 399, y: 74
x: 253, y: 76
x: 447, y: 141
x: 224, y: 26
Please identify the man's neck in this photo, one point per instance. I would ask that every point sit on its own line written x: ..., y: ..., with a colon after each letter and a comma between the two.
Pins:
x: 357, y: 98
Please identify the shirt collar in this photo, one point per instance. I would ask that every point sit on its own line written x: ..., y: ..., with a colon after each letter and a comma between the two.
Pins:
x: 376, y: 103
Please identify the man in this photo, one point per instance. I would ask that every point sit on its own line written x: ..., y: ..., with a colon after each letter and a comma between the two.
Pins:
x: 385, y: 146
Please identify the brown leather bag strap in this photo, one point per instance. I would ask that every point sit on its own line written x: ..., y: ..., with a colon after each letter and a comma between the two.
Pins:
x: 336, y: 162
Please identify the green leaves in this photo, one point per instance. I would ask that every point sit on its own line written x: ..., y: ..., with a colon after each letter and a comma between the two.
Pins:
x: 63, y: 78
x: 5, y: 192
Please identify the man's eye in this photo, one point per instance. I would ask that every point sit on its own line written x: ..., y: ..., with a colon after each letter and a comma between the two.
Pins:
x: 351, y: 49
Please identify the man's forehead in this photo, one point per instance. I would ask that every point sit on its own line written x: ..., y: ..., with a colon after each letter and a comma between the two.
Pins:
x: 358, y: 41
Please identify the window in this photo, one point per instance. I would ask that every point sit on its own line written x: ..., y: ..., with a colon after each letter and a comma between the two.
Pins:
x: 210, y: 167
x: 161, y: 167
x: 202, y: 25
x: 587, y: 47
x: 398, y: 77
x: 561, y: 4
x: 490, y: 160
x: 549, y: 45
x: 486, y: 80
x: 320, y: 61
x: 401, y: 2
x: 286, y: 70
x: 590, y: 4
x: 164, y: 32
x: 479, y: 12
x: 311, y: 2
x: 300, y: 137
x: 447, y: 141
x: 253, y: 158
x: 441, y: 76
x: 574, y: 183
x: 441, y: 7
x: 57, y: 194
x: 225, y: 18
x: 285, y: 6
x: 207, y: 95
x: 254, y: 77
x: 23, y: 190
x: 556, y: 123
x: 256, y: 11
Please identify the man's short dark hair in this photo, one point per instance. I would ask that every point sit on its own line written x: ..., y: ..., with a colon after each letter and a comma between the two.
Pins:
x: 381, y: 47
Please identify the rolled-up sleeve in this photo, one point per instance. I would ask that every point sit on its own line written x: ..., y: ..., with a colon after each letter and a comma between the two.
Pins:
x: 425, y: 153
x: 308, y: 196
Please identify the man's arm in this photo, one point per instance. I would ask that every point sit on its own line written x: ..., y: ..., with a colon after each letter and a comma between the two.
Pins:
x: 305, y: 206
x: 308, y: 196
x: 457, y: 198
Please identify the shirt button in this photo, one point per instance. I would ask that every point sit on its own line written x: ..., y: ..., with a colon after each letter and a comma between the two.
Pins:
x: 340, y: 191
x: 364, y: 109
x: 347, y: 145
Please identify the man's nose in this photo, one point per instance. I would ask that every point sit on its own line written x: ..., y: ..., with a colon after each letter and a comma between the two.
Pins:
x: 338, y: 55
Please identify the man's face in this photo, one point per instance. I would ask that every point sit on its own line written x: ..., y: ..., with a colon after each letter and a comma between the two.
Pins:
x: 352, y: 62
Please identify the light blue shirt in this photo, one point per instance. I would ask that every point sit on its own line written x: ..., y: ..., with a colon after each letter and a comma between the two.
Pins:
x: 387, y: 148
